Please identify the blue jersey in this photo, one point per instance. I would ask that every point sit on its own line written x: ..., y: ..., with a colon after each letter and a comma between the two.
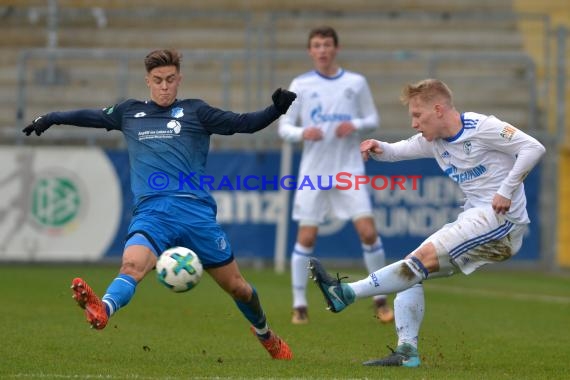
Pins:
x: 168, y: 146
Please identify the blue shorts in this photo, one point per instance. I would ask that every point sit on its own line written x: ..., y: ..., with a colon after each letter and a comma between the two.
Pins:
x: 182, y: 221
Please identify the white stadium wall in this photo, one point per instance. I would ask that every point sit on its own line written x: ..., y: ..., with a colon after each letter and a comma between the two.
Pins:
x: 61, y: 204
x: 57, y: 204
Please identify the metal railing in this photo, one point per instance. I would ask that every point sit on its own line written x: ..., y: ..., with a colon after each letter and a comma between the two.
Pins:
x: 243, y: 82
x: 562, y: 68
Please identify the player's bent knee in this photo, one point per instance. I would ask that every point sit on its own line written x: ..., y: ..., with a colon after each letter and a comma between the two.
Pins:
x: 135, y: 270
x: 240, y: 291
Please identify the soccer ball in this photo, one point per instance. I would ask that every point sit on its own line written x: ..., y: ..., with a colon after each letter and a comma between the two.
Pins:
x: 179, y: 269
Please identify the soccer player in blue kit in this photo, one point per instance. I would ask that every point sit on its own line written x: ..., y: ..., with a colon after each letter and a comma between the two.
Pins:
x: 168, y: 139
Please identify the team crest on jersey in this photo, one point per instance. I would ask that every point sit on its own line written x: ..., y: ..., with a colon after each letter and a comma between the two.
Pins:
x: 467, y: 147
x: 109, y: 110
x: 508, y: 132
x: 221, y: 242
x: 177, y: 112
x: 349, y: 93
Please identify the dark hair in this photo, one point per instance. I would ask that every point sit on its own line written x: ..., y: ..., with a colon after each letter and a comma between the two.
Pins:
x: 323, y: 31
x: 162, y: 57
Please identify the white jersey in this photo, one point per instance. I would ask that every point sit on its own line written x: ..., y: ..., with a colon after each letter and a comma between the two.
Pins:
x: 325, y: 102
x: 488, y: 156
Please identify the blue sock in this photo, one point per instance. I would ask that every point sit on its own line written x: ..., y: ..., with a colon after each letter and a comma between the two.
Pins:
x: 252, y: 311
x: 119, y: 293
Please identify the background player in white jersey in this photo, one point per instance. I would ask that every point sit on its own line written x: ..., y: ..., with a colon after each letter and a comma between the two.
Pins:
x: 333, y: 107
x: 489, y: 159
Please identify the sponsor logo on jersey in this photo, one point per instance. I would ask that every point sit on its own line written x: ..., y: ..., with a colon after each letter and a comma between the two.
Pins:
x: 445, y: 154
x: 466, y: 175
x: 173, y: 128
x: 109, y: 110
x: 140, y: 114
x: 450, y: 170
x: 177, y: 112
x: 508, y: 132
x: 318, y: 117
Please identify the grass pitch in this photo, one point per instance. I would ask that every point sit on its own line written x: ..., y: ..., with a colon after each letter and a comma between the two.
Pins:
x: 490, y: 325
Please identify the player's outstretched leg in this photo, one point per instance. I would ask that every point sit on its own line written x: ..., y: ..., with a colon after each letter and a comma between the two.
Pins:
x: 277, y: 347
x: 337, y: 294
x: 86, y: 298
x: 405, y: 355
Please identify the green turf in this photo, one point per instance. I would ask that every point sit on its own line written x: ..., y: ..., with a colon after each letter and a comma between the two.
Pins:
x: 490, y: 325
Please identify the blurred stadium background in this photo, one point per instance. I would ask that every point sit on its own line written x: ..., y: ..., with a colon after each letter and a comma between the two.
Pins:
x: 65, y: 195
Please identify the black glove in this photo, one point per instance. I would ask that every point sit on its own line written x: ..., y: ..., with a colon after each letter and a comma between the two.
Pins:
x: 40, y: 125
x: 282, y: 99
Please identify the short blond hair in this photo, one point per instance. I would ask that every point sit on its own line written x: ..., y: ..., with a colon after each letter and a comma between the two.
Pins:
x: 428, y: 90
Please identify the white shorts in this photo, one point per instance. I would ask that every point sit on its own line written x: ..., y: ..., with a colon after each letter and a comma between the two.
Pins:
x: 479, y: 236
x: 313, y: 207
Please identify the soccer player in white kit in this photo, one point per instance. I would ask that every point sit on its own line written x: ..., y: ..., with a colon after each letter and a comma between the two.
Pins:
x: 333, y: 108
x: 489, y: 159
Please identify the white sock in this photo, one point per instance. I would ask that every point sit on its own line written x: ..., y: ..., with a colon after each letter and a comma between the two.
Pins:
x: 300, y: 274
x: 262, y: 331
x: 110, y: 308
x: 409, y: 306
x: 393, y: 278
x: 374, y: 259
